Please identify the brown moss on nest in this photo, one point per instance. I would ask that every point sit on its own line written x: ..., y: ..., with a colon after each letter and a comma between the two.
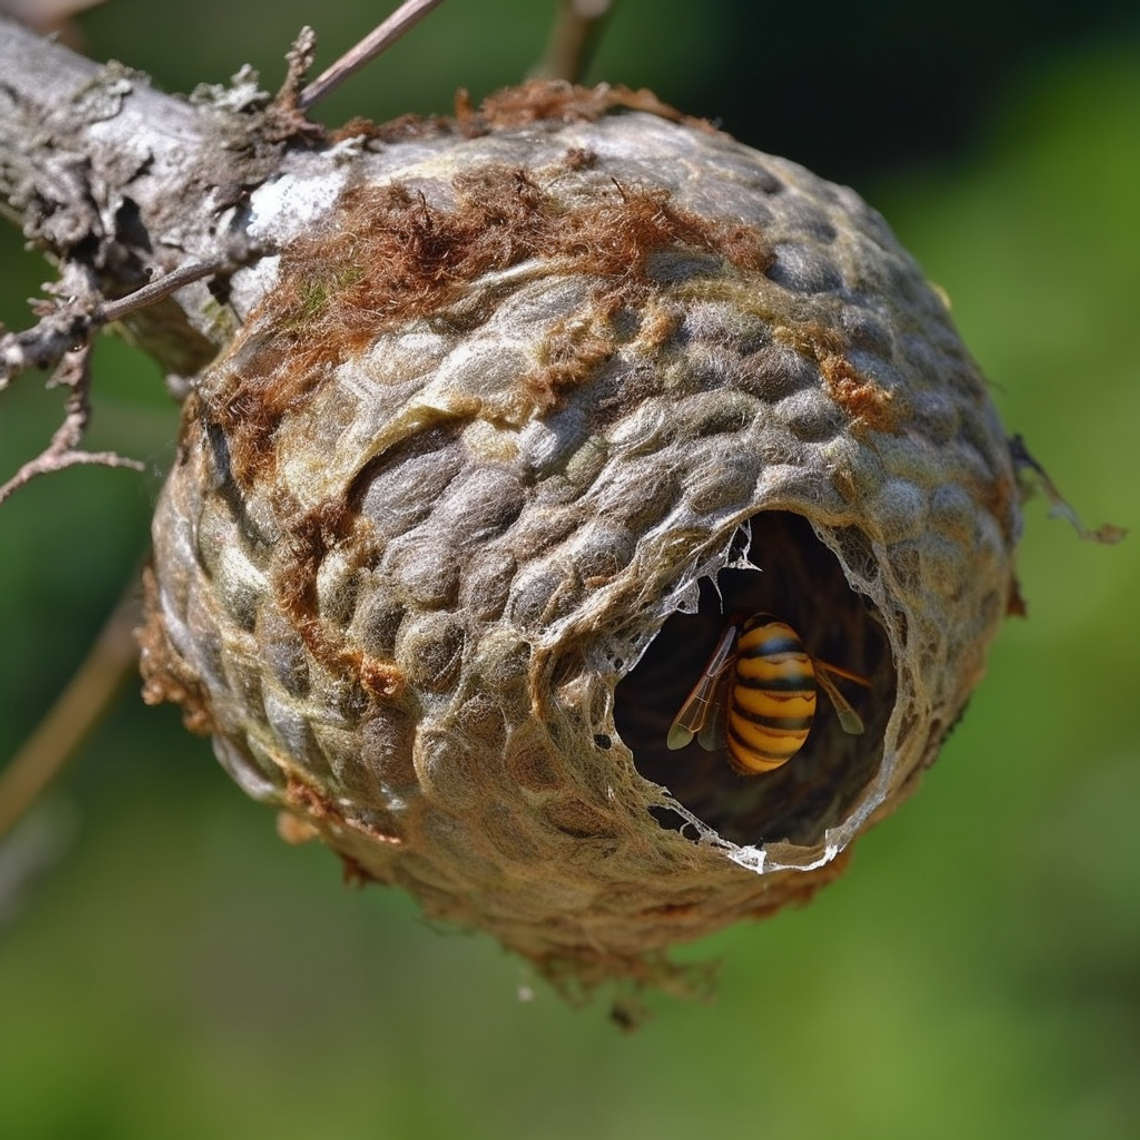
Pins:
x: 312, y: 534
x: 870, y: 406
x: 308, y: 801
x: 537, y: 101
x: 394, y: 257
x: 867, y: 404
x: 545, y: 100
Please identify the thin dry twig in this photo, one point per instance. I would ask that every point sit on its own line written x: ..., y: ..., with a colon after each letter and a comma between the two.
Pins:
x: 155, y: 290
x: 410, y: 13
x: 576, y: 31
x: 69, y: 325
x: 75, y: 712
x: 74, y: 372
x: 1023, y: 463
x: 62, y: 338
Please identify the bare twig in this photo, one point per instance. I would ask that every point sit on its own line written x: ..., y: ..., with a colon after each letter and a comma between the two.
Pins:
x: 1023, y: 462
x: 74, y: 372
x: 63, y: 337
x: 155, y: 290
x: 71, y: 324
x: 74, y: 714
x: 573, y: 38
x: 383, y: 36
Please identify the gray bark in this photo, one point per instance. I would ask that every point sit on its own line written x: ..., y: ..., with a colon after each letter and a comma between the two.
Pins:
x: 121, y: 184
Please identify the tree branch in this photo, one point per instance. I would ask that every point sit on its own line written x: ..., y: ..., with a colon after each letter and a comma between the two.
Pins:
x: 123, y: 185
x: 72, y: 322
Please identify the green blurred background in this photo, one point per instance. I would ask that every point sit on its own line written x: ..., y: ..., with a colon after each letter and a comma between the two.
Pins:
x: 177, y: 971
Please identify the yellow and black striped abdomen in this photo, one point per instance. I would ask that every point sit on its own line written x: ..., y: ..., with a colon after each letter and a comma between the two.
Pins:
x: 771, y: 704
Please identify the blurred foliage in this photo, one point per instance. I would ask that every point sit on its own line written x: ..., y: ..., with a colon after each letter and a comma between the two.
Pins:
x: 176, y: 970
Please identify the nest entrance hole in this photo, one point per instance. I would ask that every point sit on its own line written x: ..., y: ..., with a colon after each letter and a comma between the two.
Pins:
x: 800, y: 582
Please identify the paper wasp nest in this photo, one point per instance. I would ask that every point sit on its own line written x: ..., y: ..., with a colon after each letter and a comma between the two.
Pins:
x: 521, y: 422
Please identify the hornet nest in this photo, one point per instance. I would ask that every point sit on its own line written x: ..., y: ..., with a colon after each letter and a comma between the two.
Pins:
x: 530, y: 406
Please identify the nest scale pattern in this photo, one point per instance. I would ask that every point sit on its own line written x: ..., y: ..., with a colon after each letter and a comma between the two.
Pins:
x: 542, y: 398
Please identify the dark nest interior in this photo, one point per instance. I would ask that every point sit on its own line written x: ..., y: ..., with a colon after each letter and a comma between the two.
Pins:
x: 799, y: 581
